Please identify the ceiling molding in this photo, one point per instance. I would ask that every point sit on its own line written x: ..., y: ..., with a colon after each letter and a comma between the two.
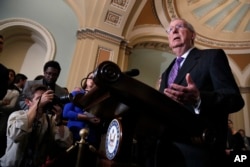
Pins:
x: 210, y: 31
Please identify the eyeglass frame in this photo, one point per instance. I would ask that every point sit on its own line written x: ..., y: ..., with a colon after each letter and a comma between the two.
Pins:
x: 177, y: 26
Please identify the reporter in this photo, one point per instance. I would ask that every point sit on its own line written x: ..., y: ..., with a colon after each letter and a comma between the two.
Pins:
x: 32, y: 134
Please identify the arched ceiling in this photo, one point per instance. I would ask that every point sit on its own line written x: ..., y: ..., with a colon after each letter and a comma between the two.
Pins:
x: 221, y: 24
x: 218, y: 23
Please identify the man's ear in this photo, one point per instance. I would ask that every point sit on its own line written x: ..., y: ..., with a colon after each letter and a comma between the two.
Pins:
x: 27, y: 102
x: 194, y: 35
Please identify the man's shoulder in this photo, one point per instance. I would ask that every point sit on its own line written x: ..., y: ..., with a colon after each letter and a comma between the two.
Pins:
x: 14, y: 92
x: 17, y: 113
x: 31, y: 82
x: 209, y: 53
x: 16, y: 88
x: 3, y: 67
x: 60, y: 91
x: 4, y: 72
x: 208, y: 50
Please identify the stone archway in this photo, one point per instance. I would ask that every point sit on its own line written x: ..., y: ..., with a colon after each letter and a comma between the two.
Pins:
x: 27, y: 45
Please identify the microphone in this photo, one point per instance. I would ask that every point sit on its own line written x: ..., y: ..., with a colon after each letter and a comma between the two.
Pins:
x: 132, y: 72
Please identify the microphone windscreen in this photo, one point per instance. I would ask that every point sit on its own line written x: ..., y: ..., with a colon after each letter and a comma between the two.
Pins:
x: 132, y: 72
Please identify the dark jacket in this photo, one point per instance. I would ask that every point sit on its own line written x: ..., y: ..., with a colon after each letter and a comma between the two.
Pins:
x: 219, y: 92
x: 4, y: 76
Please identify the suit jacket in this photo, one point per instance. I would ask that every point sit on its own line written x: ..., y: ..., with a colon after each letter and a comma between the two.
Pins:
x: 4, y: 76
x: 59, y: 91
x: 219, y: 92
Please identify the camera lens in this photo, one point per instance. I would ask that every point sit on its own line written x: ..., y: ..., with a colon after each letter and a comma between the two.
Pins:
x: 66, y: 98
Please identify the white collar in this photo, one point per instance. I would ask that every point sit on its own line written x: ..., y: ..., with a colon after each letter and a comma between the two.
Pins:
x: 184, y: 56
x: 186, y: 53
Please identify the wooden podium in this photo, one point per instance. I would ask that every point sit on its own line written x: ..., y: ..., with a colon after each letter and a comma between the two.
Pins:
x: 141, y: 111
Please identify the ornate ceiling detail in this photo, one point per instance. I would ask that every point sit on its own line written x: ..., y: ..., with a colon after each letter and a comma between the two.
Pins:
x: 120, y: 4
x: 153, y: 45
x: 218, y: 23
x: 99, y: 34
x: 113, y: 18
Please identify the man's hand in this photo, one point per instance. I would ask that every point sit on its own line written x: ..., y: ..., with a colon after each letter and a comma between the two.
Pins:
x: 94, y: 120
x: 57, y: 109
x: 37, y: 104
x: 46, y: 98
x: 184, y: 94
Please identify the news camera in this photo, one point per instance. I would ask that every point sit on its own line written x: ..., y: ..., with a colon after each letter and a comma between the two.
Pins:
x: 58, y: 100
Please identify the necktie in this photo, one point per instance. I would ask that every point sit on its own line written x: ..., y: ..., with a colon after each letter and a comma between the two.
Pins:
x: 174, y: 71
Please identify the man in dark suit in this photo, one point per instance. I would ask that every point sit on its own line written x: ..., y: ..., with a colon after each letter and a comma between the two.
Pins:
x: 246, y: 139
x: 4, y: 73
x: 51, y: 71
x: 206, y: 86
x: 4, y: 77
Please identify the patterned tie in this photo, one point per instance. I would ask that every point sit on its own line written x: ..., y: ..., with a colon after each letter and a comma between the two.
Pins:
x: 174, y: 71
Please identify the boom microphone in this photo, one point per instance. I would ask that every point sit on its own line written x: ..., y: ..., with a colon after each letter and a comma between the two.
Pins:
x: 132, y: 72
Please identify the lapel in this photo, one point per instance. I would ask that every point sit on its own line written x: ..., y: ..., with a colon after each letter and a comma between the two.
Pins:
x: 188, y: 65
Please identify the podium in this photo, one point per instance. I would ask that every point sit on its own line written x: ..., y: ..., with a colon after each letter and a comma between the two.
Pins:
x: 135, y: 111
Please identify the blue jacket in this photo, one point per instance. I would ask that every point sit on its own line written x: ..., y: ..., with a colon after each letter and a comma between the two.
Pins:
x: 70, y: 112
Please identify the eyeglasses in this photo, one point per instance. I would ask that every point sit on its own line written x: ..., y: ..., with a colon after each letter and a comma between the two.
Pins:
x: 177, y: 27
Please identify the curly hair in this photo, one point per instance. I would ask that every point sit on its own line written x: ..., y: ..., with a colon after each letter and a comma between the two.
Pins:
x: 53, y: 64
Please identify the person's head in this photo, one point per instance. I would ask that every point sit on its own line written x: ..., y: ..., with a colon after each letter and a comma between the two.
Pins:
x: 20, y: 79
x: 181, y: 34
x: 34, y: 93
x: 1, y: 43
x: 89, y: 83
x: 39, y: 77
x: 51, y: 71
x: 12, y: 75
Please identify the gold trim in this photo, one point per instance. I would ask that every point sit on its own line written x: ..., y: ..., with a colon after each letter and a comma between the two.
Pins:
x: 99, y: 34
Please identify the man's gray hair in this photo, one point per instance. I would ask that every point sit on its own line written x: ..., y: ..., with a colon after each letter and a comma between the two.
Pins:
x: 189, y: 25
